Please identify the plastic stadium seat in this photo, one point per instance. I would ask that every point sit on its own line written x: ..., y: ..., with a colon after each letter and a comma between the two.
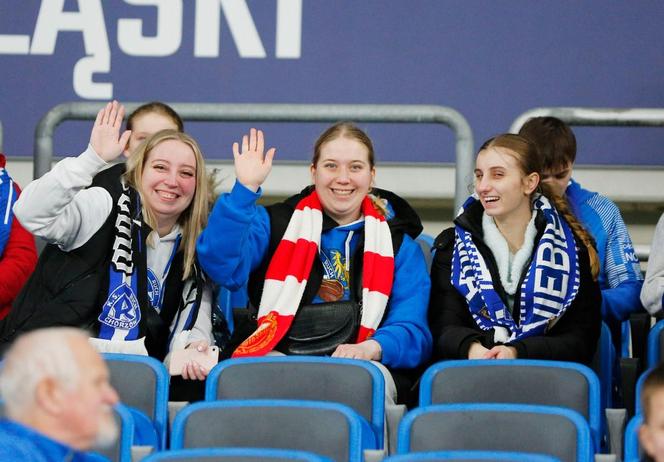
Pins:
x: 471, y: 456
x: 329, y: 429
x: 229, y: 300
x: 552, y: 383
x: 142, y: 384
x: 426, y: 245
x: 357, y: 384
x: 633, y: 450
x: 639, y: 389
x: 235, y: 455
x: 603, y: 364
x: 655, y: 344
x: 549, y: 430
x: 121, y: 449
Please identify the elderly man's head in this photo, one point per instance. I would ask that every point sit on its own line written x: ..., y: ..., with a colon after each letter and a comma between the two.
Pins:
x: 53, y: 381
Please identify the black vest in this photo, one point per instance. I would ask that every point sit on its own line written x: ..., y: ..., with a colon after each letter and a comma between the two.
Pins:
x: 69, y: 288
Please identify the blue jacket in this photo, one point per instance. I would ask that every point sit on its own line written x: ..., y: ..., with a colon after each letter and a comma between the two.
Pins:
x: 19, y: 443
x: 620, y: 275
x: 236, y: 243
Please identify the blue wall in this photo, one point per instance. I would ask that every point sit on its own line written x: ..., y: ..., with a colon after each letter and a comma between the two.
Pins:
x: 490, y: 60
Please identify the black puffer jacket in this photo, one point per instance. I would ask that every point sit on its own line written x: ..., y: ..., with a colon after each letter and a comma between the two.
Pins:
x: 573, y: 338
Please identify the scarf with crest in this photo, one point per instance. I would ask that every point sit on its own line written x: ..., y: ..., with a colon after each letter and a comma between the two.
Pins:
x: 548, y: 289
x: 289, y: 268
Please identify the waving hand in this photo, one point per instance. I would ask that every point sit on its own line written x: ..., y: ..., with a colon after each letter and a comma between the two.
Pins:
x: 105, y: 137
x: 251, y: 165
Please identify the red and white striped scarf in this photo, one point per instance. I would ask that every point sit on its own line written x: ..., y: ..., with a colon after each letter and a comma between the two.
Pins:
x: 290, y: 266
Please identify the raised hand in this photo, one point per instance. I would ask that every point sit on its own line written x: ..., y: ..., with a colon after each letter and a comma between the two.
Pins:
x: 105, y: 138
x: 251, y: 166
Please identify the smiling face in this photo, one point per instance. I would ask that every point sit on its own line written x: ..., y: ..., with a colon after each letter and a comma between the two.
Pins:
x: 342, y: 176
x: 168, y: 183
x: 145, y: 125
x: 503, y: 188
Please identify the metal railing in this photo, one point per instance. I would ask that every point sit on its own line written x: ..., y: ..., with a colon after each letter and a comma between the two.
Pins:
x: 605, y: 117
x: 588, y: 116
x: 377, y: 113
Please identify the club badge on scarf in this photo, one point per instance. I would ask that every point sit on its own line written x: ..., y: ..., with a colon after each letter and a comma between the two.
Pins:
x: 289, y: 268
x: 549, y: 287
x: 121, y: 312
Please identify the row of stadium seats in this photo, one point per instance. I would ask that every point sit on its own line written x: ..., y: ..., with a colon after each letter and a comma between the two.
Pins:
x: 281, y: 398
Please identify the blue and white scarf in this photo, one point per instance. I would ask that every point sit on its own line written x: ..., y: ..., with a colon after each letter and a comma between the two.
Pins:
x: 549, y: 287
x: 121, y: 313
x: 7, y: 199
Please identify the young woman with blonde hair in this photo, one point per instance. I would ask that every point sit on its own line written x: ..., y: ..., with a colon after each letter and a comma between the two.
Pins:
x: 121, y: 255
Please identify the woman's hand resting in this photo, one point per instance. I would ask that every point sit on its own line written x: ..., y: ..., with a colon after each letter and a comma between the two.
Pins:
x: 192, y: 370
x: 369, y: 350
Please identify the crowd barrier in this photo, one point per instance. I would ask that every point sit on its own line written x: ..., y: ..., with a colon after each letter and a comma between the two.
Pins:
x: 212, y: 112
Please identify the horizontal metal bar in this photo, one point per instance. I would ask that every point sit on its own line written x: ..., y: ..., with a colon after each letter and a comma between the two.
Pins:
x: 378, y: 113
x: 588, y: 116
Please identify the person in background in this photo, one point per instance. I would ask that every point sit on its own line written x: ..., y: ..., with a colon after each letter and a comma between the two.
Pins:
x: 121, y: 260
x: 57, y: 398
x: 620, y: 275
x: 143, y: 122
x: 338, y: 240
x: 652, y: 292
x: 18, y: 254
x: 651, y: 432
x: 148, y: 119
x: 515, y: 276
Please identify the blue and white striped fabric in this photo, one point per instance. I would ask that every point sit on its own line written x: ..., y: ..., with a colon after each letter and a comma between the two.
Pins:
x: 7, y: 199
x: 549, y: 287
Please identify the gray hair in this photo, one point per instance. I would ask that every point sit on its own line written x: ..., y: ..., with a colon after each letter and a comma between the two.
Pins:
x: 33, y: 357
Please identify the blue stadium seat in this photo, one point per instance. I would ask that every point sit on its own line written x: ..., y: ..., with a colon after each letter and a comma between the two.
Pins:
x: 549, y: 430
x: 471, y: 456
x: 231, y: 299
x: 235, y: 455
x: 426, y: 244
x: 603, y: 364
x: 355, y: 383
x: 633, y: 450
x: 142, y: 384
x: 522, y: 381
x: 655, y: 344
x: 120, y: 451
x: 330, y: 429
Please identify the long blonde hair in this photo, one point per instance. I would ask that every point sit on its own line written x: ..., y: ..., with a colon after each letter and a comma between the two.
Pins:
x: 525, y: 153
x: 194, y: 218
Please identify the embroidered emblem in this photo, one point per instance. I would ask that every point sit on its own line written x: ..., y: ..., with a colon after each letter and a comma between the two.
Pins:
x: 121, y: 309
x: 154, y: 290
x: 335, y: 281
x: 259, y: 339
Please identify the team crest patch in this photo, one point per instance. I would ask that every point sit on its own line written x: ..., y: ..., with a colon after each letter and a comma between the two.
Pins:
x: 121, y: 310
x: 154, y: 290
